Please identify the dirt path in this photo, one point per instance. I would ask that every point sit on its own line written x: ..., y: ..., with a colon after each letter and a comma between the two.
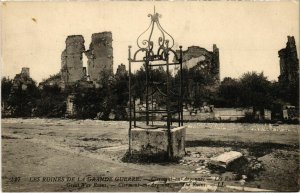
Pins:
x: 85, y: 149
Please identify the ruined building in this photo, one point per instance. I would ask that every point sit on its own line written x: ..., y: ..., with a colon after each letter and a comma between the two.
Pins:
x: 196, y: 57
x: 15, y: 98
x: 22, y: 80
x: 99, y: 63
x: 121, y: 70
x: 71, y: 60
x: 100, y: 57
x: 289, y: 62
x: 25, y: 72
x: 204, y: 73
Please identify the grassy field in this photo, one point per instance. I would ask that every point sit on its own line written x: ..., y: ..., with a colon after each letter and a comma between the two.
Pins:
x: 86, y: 155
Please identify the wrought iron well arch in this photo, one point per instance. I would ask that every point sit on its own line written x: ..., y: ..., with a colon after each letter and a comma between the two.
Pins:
x: 157, y: 55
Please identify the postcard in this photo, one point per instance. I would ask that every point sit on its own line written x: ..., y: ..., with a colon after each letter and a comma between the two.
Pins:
x: 150, y: 96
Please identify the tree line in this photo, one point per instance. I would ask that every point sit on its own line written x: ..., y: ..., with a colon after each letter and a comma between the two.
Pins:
x: 252, y: 89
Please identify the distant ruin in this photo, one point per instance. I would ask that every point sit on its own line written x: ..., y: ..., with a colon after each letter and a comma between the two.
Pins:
x: 121, y: 70
x: 14, y: 92
x: 22, y: 80
x: 99, y: 55
x: 289, y: 62
x: 71, y: 60
x: 196, y: 57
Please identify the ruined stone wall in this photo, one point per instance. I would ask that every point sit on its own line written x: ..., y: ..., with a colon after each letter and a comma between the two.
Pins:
x: 71, y: 60
x: 216, y: 62
x: 25, y: 72
x: 207, y: 61
x: 194, y: 52
x: 289, y: 62
x: 121, y: 70
x: 22, y: 79
x: 70, y: 108
x: 100, y: 56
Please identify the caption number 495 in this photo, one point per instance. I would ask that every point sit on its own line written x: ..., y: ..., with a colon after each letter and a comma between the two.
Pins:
x: 14, y: 179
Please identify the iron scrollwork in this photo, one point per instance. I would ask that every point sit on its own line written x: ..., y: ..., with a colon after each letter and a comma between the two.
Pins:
x: 157, y: 53
x: 165, y: 40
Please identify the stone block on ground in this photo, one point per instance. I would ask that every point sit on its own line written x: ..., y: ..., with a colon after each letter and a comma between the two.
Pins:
x: 225, y: 159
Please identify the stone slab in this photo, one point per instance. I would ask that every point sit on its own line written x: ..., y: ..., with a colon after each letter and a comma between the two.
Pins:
x: 225, y: 158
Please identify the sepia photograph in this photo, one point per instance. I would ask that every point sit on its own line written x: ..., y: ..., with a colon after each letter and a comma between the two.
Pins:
x: 150, y: 96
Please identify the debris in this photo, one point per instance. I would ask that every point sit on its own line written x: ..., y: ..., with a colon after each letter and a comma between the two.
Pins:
x: 115, y: 148
x: 224, y: 159
x: 242, y: 182
x: 207, y: 172
x: 200, y: 168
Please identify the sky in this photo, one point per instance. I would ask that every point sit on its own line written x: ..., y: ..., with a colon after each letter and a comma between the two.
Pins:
x: 248, y: 34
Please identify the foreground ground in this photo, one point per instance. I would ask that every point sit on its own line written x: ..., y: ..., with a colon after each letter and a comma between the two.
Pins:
x: 86, y: 155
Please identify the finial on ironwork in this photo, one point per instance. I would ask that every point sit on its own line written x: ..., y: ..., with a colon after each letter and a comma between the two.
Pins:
x: 147, y: 43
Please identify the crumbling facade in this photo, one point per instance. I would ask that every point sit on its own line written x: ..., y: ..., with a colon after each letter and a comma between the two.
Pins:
x: 22, y: 80
x: 25, y: 72
x: 196, y: 57
x: 121, y: 70
x: 289, y: 62
x: 71, y: 60
x: 13, y: 100
x: 70, y: 106
x: 100, y: 57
